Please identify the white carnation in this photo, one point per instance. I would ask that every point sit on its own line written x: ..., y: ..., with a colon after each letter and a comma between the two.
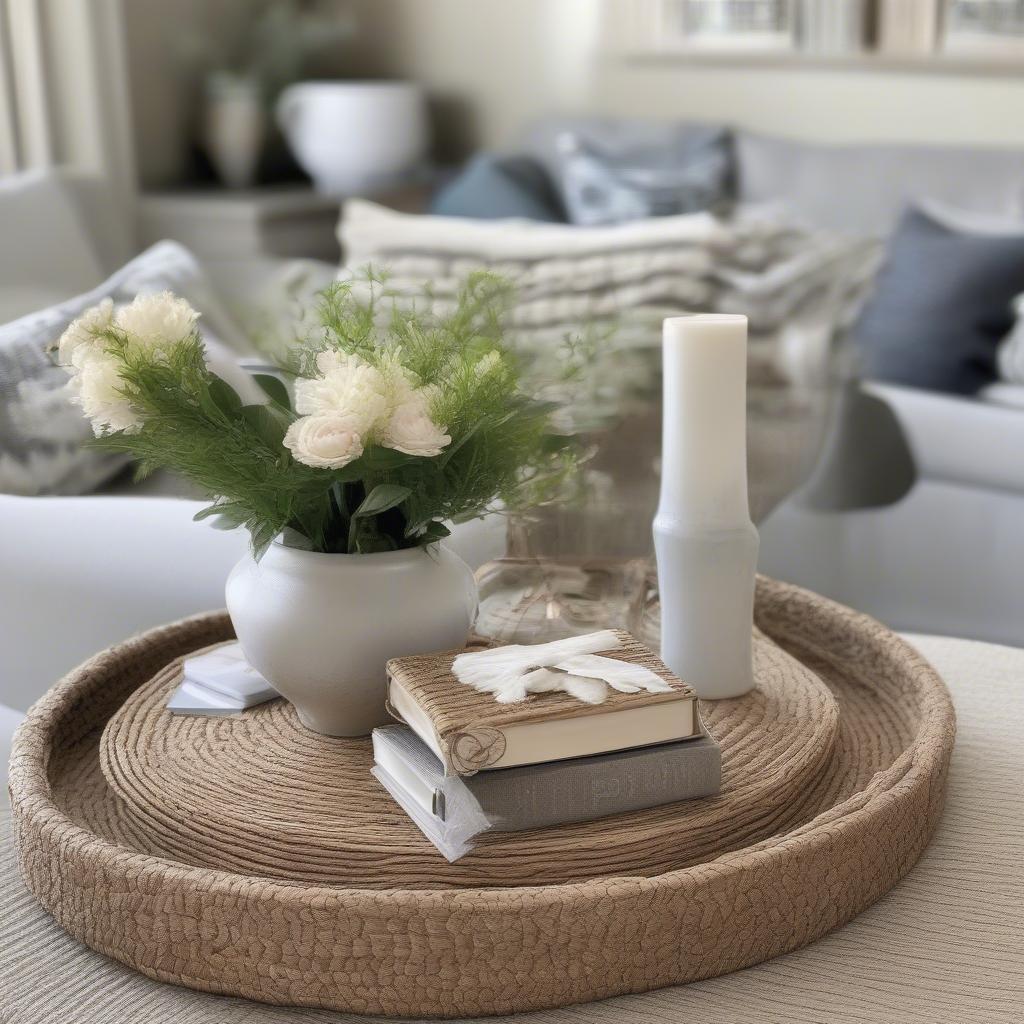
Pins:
x: 348, y: 386
x: 80, y: 336
x: 157, y: 320
x: 98, y: 390
x: 325, y: 440
x: 411, y: 430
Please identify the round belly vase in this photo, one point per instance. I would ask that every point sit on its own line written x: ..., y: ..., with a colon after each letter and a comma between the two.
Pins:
x: 320, y: 628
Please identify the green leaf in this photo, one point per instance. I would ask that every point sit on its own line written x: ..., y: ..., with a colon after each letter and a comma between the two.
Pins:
x: 377, y: 459
x: 223, y: 515
x: 274, y: 389
x: 224, y: 397
x: 224, y: 522
x: 205, y: 513
x: 447, y: 454
x: 380, y: 499
x: 372, y: 541
x: 434, y: 532
x: 262, y: 537
x: 266, y: 424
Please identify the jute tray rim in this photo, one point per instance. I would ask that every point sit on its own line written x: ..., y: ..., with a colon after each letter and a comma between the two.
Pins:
x: 29, y: 779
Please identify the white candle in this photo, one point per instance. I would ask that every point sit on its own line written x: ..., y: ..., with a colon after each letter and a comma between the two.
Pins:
x: 705, y: 543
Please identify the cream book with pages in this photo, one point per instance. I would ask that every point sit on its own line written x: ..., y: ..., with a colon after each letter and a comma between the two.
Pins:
x: 470, y: 731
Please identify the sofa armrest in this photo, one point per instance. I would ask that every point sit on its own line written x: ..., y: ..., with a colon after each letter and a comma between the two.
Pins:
x: 959, y: 440
x: 80, y: 574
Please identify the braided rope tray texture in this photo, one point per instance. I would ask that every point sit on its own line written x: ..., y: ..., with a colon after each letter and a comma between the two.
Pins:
x: 835, y: 777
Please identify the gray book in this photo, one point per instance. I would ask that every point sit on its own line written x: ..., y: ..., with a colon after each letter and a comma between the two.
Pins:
x: 452, y: 810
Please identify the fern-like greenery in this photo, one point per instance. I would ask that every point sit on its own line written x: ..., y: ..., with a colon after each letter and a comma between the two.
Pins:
x: 503, y: 450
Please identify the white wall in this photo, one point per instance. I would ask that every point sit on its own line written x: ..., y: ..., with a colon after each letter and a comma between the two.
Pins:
x: 828, y: 105
x: 492, y: 65
x: 164, y: 88
x: 503, y: 62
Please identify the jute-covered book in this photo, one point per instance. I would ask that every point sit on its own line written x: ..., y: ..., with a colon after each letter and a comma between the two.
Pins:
x: 470, y: 731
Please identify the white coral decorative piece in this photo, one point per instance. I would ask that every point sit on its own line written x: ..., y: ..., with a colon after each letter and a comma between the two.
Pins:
x: 571, y: 666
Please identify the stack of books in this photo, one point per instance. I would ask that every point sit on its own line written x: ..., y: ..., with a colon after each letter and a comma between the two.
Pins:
x: 462, y: 763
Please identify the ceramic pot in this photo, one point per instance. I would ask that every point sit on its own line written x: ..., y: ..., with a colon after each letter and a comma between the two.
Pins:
x: 234, y: 128
x: 321, y: 628
x: 352, y: 137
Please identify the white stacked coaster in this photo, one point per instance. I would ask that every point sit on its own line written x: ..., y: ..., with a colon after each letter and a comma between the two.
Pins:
x: 220, y: 682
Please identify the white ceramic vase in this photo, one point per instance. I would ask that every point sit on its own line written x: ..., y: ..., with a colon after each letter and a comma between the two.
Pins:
x: 321, y: 627
x: 352, y: 137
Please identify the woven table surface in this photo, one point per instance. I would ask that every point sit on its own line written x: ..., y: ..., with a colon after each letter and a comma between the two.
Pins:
x: 261, y: 794
x: 861, y: 731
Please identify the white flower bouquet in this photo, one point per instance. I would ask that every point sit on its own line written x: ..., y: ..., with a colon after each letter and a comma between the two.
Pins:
x: 392, y: 425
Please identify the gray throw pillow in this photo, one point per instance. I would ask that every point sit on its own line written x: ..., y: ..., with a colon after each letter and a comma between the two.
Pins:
x: 687, y: 172
x: 942, y: 304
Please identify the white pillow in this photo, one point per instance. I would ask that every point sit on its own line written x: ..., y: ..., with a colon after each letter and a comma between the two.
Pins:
x: 1010, y: 354
x: 41, y: 431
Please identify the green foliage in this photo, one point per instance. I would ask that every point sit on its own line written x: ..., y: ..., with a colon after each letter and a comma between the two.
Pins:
x: 503, y: 448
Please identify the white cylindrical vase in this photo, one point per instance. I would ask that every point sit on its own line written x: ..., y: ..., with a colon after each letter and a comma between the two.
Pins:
x: 705, y: 543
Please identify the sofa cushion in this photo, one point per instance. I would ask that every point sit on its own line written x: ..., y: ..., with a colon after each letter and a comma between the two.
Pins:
x: 666, y: 167
x: 941, y: 305
x: 864, y: 188
x: 41, y: 430
x: 46, y: 255
x: 493, y: 186
x: 687, y: 173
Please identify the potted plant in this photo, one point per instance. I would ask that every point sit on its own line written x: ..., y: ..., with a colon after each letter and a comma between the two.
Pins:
x: 394, y: 424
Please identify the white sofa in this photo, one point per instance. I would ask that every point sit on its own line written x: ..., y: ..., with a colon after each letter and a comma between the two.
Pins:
x: 947, y: 558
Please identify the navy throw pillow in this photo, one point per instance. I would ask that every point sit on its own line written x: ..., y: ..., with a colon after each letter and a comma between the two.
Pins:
x: 493, y: 187
x: 942, y: 303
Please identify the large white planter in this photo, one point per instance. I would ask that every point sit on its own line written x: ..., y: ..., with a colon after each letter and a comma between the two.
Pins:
x: 321, y: 628
x: 354, y: 136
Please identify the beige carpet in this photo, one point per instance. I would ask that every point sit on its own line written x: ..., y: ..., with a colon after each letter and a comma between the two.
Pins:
x: 947, y: 944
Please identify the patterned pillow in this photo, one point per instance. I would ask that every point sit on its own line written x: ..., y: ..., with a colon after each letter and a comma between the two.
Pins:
x: 41, y: 431
x: 610, y: 187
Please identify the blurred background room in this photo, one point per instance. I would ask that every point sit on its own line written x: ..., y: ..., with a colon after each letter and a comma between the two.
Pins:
x: 847, y: 173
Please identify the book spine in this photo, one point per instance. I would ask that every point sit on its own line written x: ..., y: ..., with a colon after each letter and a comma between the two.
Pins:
x: 585, y: 788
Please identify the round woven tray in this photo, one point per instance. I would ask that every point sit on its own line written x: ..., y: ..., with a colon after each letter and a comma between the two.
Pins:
x: 248, y: 856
